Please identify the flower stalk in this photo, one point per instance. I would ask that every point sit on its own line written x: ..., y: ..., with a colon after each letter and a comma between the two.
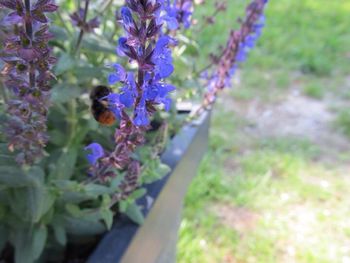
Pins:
x: 140, y: 92
x: 81, y: 33
x: 239, y: 44
x: 26, y: 74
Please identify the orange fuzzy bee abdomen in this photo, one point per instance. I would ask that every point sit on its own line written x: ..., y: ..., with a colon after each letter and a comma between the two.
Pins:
x: 106, y: 118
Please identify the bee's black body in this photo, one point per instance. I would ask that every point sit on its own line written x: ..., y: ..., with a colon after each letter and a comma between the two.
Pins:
x: 100, y: 110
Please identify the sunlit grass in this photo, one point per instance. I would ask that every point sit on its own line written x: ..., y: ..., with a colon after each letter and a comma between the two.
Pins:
x: 262, y: 199
x: 300, y: 205
x: 302, y: 35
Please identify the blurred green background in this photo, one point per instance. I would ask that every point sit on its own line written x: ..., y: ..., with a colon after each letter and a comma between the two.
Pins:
x: 274, y: 186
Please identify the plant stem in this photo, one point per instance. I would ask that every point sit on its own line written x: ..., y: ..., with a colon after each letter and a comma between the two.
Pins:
x: 72, y: 120
x: 3, y: 92
x: 29, y: 31
x: 59, y: 15
x: 105, y: 7
x: 81, y: 34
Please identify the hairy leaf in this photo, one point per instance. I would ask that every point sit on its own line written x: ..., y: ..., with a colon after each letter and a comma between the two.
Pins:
x: 60, y: 233
x: 3, y: 236
x: 39, y: 241
x: 12, y: 176
x: 64, y: 63
x: 65, y: 164
x: 133, y: 211
x: 107, y: 216
x: 83, y: 227
x: 30, y: 203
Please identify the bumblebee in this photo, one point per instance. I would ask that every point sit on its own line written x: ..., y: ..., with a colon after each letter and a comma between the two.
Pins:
x: 99, y: 106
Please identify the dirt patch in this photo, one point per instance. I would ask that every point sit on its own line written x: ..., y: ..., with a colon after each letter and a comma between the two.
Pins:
x: 238, y: 218
x: 294, y: 116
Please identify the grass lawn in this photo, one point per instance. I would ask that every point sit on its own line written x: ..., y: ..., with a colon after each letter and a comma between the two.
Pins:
x: 274, y: 186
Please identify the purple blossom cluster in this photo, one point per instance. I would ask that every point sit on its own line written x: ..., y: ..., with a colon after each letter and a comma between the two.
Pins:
x: 176, y: 13
x: 79, y: 20
x: 26, y: 74
x: 238, y: 46
x: 154, y: 60
x: 140, y: 93
x: 220, y: 6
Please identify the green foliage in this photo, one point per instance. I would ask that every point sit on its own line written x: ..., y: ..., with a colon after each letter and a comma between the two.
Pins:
x: 343, y: 121
x: 55, y: 200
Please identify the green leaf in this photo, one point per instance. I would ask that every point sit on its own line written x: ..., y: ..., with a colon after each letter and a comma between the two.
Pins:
x: 39, y: 241
x: 96, y: 190
x: 138, y: 193
x: 30, y: 203
x: 116, y: 181
x: 74, y: 210
x: 3, y: 236
x: 6, y: 157
x: 22, y: 241
x: 64, y: 63
x: 133, y: 211
x: 123, y: 205
x: 57, y: 137
x: 15, y: 177
x: 154, y: 171
x: 58, y: 32
x: 90, y: 72
x: 65, y: 164
x: 97, y: 44
x: 83, y: 227
x: 2, y: 211
x: 107, y: 216
x: 29, y: 243
x: 60, y: 234
x: 4, y: 197
x: 62, y: 93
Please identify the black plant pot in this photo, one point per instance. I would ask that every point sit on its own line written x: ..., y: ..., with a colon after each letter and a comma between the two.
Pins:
x: 155, y: 240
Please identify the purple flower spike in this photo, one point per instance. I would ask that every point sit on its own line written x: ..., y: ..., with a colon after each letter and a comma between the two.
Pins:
x: 177, y: 13
x: 96, y: 152
x: 142, y: 91
x: 27, y: 75
x: 238, y: 46
x: 87, y: 26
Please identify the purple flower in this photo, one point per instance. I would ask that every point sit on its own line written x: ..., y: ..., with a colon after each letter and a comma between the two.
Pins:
x: 96, y: 152
x: 141, y: 116
x: 162, y: 58
x: 127, y: 16
x: 114, y: 104
x: 170, y: 17
x: 123, y: 48
x: 118, y: 76
x: 159, y: 93
x: 239, y: 44
x: 176, y: 13
x: 87, y: 26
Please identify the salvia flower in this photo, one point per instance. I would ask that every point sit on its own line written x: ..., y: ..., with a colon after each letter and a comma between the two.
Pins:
x: 87, y: 26
x: 139, y: 93
x: 26, y: 74
x: 154, y: 61
x: 238, y: 46
x: 176, y: 13
x: 96, y: 152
